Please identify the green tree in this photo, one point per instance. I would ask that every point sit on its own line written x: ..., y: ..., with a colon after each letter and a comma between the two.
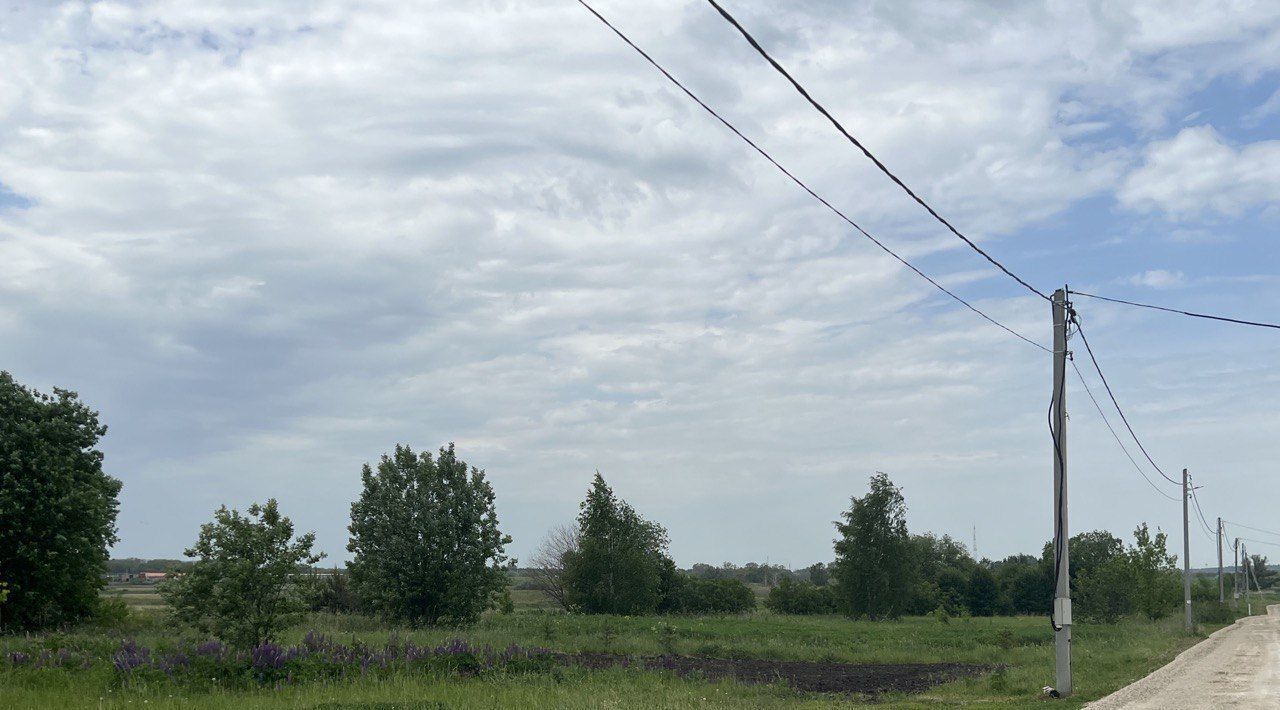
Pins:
x: 1088, y: 551
x: 57, y: 507
x: 982, y: 595
x: 872, y: 569
x: 942, y: 567
x: 1026, y: 584
x: 243, y: 587
x: 818, y: 574
x: 1259, y: 573
x: 426, y: 540
x: 1156, y: 586
x: 1106, y: 593
x: 621, y: 565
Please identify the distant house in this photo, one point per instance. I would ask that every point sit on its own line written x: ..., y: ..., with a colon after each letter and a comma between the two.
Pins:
x: 151, y: 577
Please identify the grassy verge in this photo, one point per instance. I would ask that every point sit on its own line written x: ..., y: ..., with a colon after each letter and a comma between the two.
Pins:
x: 1106, y: 657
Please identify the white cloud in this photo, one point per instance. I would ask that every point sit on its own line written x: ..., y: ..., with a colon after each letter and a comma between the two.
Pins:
x: 269, y: 244
x: 1158, y: 278
x: 1198, y: 172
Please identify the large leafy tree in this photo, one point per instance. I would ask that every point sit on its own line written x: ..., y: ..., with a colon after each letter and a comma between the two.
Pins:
x: 244, y: 586
x: 57, y: 507
x: 872, y: 567
x: 621, y: 565
x: 426, y: 540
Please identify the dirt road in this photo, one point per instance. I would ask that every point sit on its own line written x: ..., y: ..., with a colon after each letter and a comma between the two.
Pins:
x: 1236, y: 667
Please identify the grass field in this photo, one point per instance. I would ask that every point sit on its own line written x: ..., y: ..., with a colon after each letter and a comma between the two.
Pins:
x: 1106, y: 657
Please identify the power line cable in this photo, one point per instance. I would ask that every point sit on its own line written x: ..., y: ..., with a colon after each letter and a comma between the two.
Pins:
x: 884, y: 169
x: 1261, y: 542
x: 1247, y: 527
x: 1116, y: 436
x: 1204, y: 522
x: 1175, y: 310
x: 801, y: 183
x: 1084, y: 339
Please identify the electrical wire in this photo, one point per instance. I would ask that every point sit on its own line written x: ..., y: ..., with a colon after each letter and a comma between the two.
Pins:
x: 801, y: 183
x: 1179, y: 311
x: 1200, y: 513
x: 843, y: 131
x: 1084, y: 339
x: 1247, y: 527
x: 1116, y: 436
x: 1261, y: 542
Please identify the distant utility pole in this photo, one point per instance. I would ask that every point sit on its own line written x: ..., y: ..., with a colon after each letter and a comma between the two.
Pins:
x: 1062, y: 594
x: 1186, y: 551
x: 1248, y: 603
x: 1235, y: 575
x: 1222, y: 591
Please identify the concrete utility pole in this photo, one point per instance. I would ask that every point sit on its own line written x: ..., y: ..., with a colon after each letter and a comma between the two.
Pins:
x: 1062, y: 594
x: 1248, y: 603
x: 1186, y: 551
x: 1235, y: 574
x: 1222, y: 591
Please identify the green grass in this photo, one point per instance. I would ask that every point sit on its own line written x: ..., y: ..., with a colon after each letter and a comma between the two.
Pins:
x: 1106, y: 657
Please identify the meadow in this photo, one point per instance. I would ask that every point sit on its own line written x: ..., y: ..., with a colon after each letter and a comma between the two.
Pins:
x: 1018, y: 649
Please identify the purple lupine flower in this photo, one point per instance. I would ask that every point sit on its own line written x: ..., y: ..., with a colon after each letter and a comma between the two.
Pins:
x: 211, y: 649
x: 267, y: 655
x: 130, y: 656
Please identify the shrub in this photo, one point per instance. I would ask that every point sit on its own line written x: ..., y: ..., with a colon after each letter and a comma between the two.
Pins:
x: 715, y: 596
x: 241, y: 587
x: 791, y: 597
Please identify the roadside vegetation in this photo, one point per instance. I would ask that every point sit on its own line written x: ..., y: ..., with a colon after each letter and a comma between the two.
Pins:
x: 432, y: 613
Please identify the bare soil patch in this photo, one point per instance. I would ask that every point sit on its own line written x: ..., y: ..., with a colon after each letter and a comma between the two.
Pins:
x: 814, y: 676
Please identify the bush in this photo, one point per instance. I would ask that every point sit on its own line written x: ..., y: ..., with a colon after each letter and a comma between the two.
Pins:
x: 715, y: 596
x: 333, y: 594
x: 241, y: 587
x: 1213, y: 613
x: 112, y: 613
x: 791, y: 597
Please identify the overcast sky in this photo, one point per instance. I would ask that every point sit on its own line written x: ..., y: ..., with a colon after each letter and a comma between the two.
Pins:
x: 270, y: 243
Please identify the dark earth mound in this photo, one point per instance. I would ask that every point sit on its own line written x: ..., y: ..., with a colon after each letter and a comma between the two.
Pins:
x: 864, y: 678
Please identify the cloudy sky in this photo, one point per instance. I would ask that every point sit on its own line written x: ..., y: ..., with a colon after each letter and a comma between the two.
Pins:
x: 270, y: 244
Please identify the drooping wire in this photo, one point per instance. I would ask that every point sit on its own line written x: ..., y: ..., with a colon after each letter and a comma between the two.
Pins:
x: 1247, y: 527
x: 884, y: 169
x: 1204, y: 522
x: 1112, y: 395
x: 802, y: 184
x: 1116, y: 436
x: 1179, y: 311
x: 1201, y: 523
x: 1261, y: 542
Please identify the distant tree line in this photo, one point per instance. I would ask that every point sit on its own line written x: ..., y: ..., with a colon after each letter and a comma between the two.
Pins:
x: 428, y: 550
